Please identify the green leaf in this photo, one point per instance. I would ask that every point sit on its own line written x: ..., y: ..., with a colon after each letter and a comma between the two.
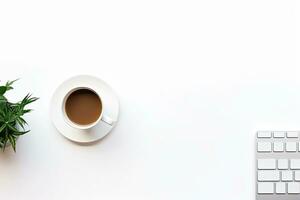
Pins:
x: 2, y: 98
x: 3, y: 102
x: 5, y: 139
x: 27, y: 111
x: 16, y: 131
x: 6, y: 87
x: 8, y: 84
x: 12, y: 141
x: 1, y: 117
x: 20, y: 123
x: 2, y: 127
x: 12, y: 128
x: 2, y: 90
x: 22, y: 120
x: 20, y: 133
x: 4, y: 143
x: 27, y: 100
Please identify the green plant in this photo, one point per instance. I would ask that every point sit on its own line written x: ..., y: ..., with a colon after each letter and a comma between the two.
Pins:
x: 11, y: 117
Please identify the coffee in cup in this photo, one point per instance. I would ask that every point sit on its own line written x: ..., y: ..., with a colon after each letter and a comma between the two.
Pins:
x: 83, y: 108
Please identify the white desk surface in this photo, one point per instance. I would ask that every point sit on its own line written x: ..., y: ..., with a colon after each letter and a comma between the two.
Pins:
x: 195, y: 80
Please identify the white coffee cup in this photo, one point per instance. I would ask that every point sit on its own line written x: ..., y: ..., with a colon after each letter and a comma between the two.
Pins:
x: 101, y: 117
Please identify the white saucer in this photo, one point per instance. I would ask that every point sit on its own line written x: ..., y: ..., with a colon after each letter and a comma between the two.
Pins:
x: 110, y: 105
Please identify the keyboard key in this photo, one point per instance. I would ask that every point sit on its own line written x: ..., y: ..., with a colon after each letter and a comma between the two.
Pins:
x: 265, y: 188
x: 266, y: 164
x: 291, y: 146
x: 292, y: 134
x: 286, y: 175
x: 295, y: 163
x: 264, y: 147
x: 278, y: 147
x: 297, y: 175
x: 280, y: 188
x: 264, y: 134
x: 268, y: 175
x: 279, y: 134
x: 293, y: 188
x: 283, y: 164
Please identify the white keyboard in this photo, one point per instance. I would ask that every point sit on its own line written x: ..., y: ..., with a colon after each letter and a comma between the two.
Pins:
x: 277, y: 165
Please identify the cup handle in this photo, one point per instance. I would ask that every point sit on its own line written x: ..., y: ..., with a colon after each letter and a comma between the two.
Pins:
x: 107, y: 120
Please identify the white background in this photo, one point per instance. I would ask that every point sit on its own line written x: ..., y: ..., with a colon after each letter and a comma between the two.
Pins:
x: 195, y: 79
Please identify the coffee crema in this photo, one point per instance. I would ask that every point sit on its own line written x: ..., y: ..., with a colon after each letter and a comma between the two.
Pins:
x: 83, y: 107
